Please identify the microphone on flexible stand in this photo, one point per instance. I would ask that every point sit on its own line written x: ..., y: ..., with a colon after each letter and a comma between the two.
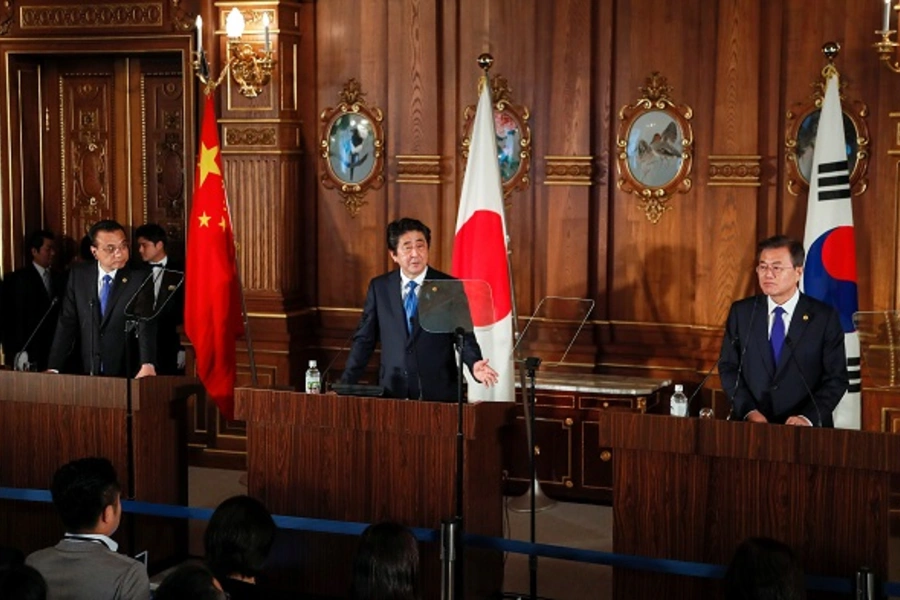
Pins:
x: 790, y: 344
x: 703, y: 382
x: 46, y: 314
x: 737, y: 379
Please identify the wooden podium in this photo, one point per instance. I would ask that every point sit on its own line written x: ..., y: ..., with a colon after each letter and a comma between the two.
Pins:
x: 691, y: 489
x: 368, y: 460
x: 47, y: 420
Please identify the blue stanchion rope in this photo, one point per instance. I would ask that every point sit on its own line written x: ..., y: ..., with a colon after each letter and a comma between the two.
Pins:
x: 624, y: 561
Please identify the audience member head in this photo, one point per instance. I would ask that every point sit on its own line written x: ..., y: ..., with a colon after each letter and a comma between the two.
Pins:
x: 151, y: 239
x: 109, y: 245
x: 408, y: 242
x: 764, y: 569
x: 42, y: 247
x: 386, y: 565
x: 189, y: 582
x: 22, y: 582
x: 86, y: 494
x: 238, y: 538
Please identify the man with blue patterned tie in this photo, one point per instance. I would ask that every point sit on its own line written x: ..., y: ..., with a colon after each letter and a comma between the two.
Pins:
x: 99, y: 297
x: 783, y: 355
x: 415, y: 363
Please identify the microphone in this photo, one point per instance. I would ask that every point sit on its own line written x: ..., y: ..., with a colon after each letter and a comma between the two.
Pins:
x: 412, y: 322
x: 790, y: 344
x: 737, y: 380
x: 93, y: 328
x: 703, y: 381
x: 46, y: 314
x: 363, y: 323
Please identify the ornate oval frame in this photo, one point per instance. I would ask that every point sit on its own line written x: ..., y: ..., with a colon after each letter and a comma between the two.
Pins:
x: 669, y: 150
x: 512, y: 151
x: 353, y: 138
x: 797, y: 126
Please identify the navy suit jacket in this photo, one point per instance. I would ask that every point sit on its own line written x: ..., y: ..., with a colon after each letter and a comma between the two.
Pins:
x: 169, y: 310
x: 813, y: 350
x: 103, y: 337
x: 418, y: 365
x: 25, y: 302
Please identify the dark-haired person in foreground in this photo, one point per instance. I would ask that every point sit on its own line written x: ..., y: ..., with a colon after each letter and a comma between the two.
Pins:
x: 386, y: 564
x: 415, y: 363
x: 190, y: 582
x: 238, y: 539
x: 21, y: 582
x: 783, y: 358
x: 98, y: 297
x: 764, y: 569
x: 84, y: 565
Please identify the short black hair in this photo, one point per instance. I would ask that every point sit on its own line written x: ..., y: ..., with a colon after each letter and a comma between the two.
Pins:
x: 239, y: 537
x: 798, y: 254
x: 82, y: 489
x: 764, y: 569
x: 386, y: 564
x: 397, y: 228
x: 152, y: 233
x: 189, y: 582
x: 22, y: 582
x: 84, y: 248
x: 107, y: 225
x: 36, y: 239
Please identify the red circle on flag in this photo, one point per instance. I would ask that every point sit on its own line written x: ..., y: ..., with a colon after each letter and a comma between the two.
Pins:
x: 479, y: 253
x: 839, y: 254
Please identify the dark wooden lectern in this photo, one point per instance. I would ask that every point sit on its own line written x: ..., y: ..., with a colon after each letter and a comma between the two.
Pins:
x: 691, y: 489
x: 372, y: 459
x: 47, y: 420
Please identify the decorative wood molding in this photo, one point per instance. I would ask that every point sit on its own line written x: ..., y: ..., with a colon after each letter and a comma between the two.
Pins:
x: 182, y: 20
x: 127, y: 14
x: 569, y: 170
x: 419, y: 168
x: 734, y: 170
x: 250, y: 136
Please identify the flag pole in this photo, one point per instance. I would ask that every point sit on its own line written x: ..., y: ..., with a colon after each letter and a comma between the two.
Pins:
x: 254, y: 379
x: 524, y: 502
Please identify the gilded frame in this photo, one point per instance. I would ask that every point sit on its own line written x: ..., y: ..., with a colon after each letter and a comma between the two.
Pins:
x: 513, y: 136
x: 351, y: 147
x: 655, y: 148
x: 799, y: 140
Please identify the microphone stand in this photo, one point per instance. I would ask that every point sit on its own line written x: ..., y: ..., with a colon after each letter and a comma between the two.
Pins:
x: 53, y: 303
x: 531, y: 366
x: 452, y: 529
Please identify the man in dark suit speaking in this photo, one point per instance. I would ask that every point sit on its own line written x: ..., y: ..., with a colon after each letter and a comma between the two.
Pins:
x: 783, y: 357
x: 99, y: 296
x: 415, y: 363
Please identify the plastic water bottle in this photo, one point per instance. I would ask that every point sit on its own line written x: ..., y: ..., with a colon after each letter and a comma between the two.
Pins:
x: 678, y: 405
x: 313, y: 379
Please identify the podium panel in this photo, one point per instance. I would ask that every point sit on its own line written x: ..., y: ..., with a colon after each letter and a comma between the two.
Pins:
x: 47, y: 420
x: 369, y: 460
x: 692, y: 489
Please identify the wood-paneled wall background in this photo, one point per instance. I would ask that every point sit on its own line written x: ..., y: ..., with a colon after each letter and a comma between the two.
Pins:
x: 662, y: 290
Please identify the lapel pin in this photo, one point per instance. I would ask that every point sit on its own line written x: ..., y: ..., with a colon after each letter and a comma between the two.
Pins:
x: 806, y: 317
x: 434, y: 288
x: 124, y: 280
x: 171, y: 288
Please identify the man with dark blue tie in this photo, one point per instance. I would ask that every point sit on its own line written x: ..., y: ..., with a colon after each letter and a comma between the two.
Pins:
x: 415, y: 363
x: 100, y: 296
x: 783, y: 358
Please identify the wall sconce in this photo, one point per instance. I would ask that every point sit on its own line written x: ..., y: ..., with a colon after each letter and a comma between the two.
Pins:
x: 886, y: 47
x: 251, y: 70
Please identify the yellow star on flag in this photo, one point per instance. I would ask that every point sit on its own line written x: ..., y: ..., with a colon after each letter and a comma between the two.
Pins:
x: 204, y: 219
x: 222, y: 223
x: 208, y: 162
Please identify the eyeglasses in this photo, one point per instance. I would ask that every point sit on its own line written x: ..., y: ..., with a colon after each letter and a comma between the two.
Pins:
x: 776, y: 270
x: 112, y: 249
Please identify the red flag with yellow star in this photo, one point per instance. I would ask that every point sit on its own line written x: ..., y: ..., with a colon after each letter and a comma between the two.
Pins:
x: 212, y: 311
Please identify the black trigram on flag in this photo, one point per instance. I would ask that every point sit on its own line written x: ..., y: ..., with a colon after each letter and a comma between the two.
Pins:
x: 833, y: 181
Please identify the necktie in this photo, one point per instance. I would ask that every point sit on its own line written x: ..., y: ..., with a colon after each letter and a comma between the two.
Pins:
x: 47, y: 284
x: 410, y: 305
x: 777, y: 336
x: 105, y: 289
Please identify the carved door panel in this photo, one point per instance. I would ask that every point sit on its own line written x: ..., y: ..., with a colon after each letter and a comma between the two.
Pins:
x: 100, y: 136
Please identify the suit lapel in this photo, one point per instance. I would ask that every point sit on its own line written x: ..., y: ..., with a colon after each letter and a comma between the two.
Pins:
x: 760, y: 335
x: 799, y: 323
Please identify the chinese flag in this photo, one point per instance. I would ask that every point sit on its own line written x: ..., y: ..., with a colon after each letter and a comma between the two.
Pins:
x: 212, y: 312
